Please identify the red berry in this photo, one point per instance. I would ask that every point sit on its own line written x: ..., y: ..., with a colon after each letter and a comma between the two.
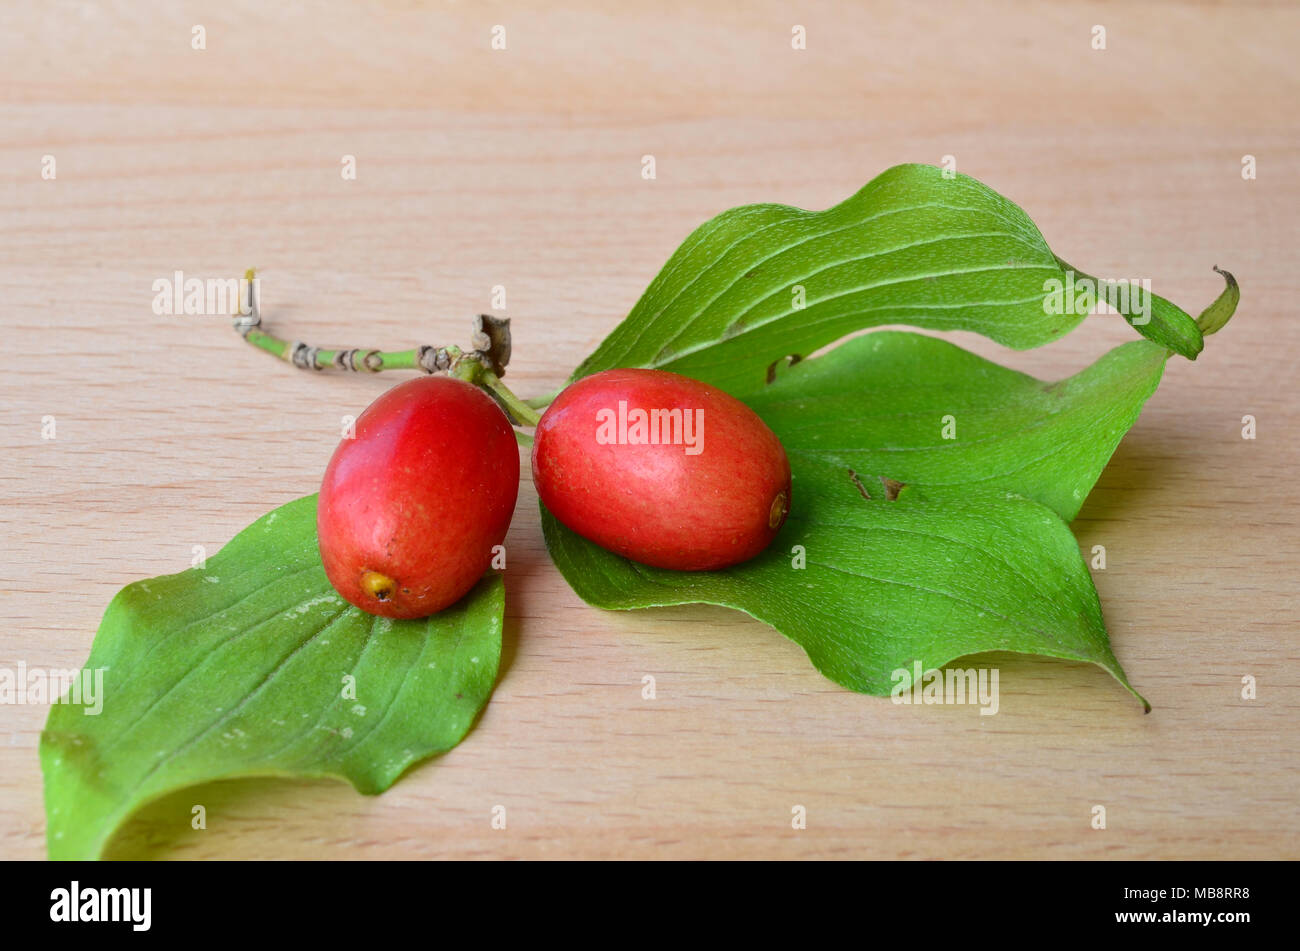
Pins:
x: 412, y: 506
x: 662, y: 469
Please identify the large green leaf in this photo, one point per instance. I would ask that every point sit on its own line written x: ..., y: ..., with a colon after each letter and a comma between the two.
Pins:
x: 970, y: 553
x: 883, y: 584
x: 913, y: 246
x: 883, y: 405
x: 238, y: 669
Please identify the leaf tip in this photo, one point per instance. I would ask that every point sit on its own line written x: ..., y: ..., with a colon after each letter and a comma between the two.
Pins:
x: 1216, y: 316
x: 1226, y: 275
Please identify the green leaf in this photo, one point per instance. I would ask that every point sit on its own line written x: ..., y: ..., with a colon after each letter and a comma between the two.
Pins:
x: 885, y: 405
x: 917, y: 547
x: 238, y: 669
x: 1156, y: 318
x: 911, y: 247
x: 885, y: 584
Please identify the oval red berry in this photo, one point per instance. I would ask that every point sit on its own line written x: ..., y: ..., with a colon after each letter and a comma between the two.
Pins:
x: 662, y: 469
x: 412, y: 506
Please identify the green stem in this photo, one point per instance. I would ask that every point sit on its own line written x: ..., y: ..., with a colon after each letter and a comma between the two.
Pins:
x: 541, y: 402
x: 482, y: 367
x: 478, y: 374
x: 315, y: 358
x: 357, y: 360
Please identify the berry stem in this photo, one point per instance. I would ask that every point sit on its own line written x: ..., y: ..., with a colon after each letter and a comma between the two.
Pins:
x: 483, y: 366
x: 478, y: 373
x: 541, y: 402
x: 517, y: 408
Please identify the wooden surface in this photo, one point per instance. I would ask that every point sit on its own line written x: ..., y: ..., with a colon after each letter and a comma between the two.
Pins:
x: 522, y: 167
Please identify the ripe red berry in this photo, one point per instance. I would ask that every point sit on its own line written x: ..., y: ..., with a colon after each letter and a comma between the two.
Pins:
x: 412, y: 506
x: 662, y: 469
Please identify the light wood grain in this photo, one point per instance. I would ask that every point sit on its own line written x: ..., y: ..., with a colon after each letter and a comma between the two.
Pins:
x: 522, y: 167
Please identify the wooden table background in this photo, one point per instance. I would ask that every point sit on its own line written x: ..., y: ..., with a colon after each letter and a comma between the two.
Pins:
x: 522, y: 167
